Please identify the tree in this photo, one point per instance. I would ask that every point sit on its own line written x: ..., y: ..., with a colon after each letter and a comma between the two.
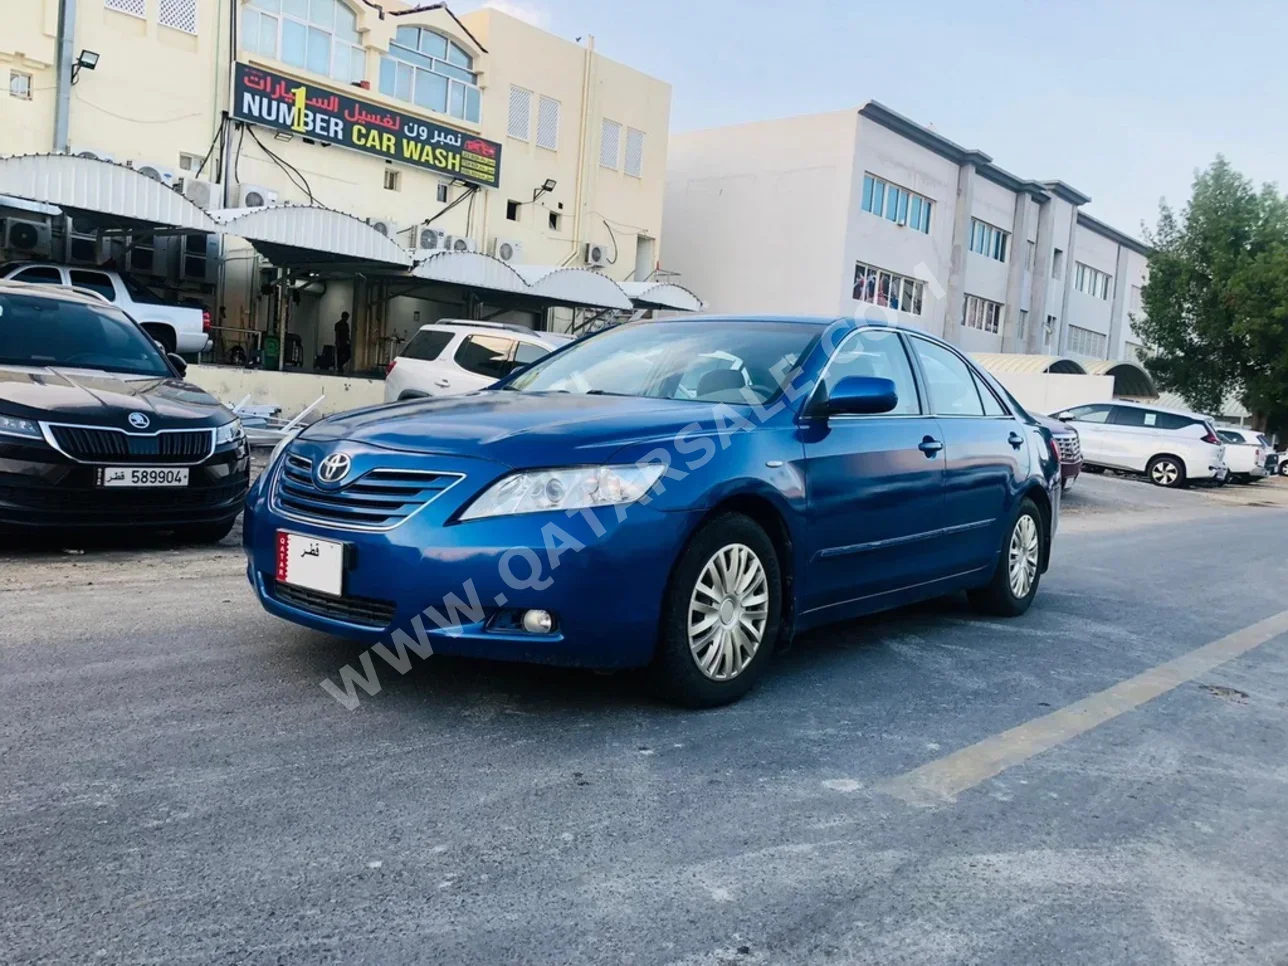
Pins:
x: 1216, y: 302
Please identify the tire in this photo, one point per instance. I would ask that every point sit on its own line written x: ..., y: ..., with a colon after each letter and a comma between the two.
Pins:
x: 698, y: 580
x: 204, y: 532
x: 1008, y: 594
x: 1283, y: 468
x: 1166, y: 471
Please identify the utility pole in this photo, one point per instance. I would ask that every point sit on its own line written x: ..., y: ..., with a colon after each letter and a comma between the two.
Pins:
x: 65, y: 58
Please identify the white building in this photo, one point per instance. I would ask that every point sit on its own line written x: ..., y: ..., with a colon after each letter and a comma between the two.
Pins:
x: 828, y: 213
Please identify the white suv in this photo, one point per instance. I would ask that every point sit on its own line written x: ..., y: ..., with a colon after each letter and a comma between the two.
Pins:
x: 1169, y: 446
x: 450, y: 357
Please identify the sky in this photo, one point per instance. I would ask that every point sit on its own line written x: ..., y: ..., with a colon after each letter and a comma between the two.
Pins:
x: 1122, y: 100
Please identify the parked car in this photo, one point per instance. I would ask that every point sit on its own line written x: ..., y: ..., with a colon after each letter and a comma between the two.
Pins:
x: 451, y: 357
x: 583, y: 512
x: 98, y: 429
x: 1069, y: 446
x: 178, y: 328
x: 1171, y: 447
x: 1245, y: 453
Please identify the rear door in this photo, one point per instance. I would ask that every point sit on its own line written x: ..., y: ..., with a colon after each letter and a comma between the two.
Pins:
x: 985, y: 456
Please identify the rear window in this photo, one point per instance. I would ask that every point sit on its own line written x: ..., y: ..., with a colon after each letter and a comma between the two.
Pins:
x: 426, y: 345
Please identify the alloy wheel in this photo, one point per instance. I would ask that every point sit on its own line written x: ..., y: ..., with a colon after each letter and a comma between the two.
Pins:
x: 1165, y: 473
x: 1023, y: 555
x: 728, y: 610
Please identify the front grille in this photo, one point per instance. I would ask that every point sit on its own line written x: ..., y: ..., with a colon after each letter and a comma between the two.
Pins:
x: 351, y: 610
x: 379, y: 499
x: 1070, y: 448
x: 115, y: 446
x: 109, y: 500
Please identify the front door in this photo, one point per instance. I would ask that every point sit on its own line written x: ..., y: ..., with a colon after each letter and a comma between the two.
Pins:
x: 874, y: 486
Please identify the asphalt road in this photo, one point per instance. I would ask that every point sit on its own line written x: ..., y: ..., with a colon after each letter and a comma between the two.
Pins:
x: 178, y: 788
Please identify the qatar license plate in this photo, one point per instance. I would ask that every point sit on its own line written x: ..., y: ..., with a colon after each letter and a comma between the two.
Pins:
x: 310, y: 563
x: 143, y: 476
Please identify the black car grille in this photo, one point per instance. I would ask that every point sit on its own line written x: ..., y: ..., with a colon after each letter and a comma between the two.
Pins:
x: 112, y: 445
x: 108, y: 500
x: 379, y: 499
x: 1070, y: 448
x: 351, y: 610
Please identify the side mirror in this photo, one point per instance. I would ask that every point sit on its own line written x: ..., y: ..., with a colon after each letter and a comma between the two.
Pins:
x: 1064, y: 417
x: 179, y: 363
x: 867, y: 395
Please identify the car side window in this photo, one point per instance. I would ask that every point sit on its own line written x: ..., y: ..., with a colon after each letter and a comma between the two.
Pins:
x: 1229, y: 437
x: 95, y: 282
x: 879, y: 353
x: 426, y: 345
x: 949, y: 381
x: 1091, y: 414
x: 529, y: 352
x: 992, y: 405
x: 40, y: 275
x: 485, y: 355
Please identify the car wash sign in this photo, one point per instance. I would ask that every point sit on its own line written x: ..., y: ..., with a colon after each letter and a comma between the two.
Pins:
x: 286, y: 104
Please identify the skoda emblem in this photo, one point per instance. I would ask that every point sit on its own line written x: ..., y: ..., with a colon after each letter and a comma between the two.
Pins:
x: 140, y: 420
x: 334, y: 468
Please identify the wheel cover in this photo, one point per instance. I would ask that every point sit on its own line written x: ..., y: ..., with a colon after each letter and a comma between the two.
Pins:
x: 728, y: 611
x: 1165, y: 473
x: 1022, y: 562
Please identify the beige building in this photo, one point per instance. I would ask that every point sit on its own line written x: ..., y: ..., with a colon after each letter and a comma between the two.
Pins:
x: 481, y: 132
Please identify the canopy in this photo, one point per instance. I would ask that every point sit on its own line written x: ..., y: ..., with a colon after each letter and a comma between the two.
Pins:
x: 573, y: 286
x: 553, y: 284
x: 661, y: 295
x: 310, y: 234
x: 1017, y: 362
x: 111, y: 194
x: 1130, y: 379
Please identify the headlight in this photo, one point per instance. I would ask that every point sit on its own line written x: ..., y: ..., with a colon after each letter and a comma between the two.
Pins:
x: 229, y: 433
x: 22, y: 428
x: 571, y: 489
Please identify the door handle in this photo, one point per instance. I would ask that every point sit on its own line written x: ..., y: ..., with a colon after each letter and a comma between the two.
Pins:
x: 1015, y: 439
x: 443, y: 383
x: 930, y: 446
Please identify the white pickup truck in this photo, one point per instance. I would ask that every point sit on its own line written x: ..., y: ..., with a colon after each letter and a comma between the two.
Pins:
x: 178, y: 328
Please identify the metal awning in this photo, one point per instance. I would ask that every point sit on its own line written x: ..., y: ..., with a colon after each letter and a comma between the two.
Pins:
x: 1018, y: 362
x: 574, y: 286
x: 550, y: 284
x: 310, y: 235
x: 111, y: 194
x: 1130, y: 378
x: 661, y: 295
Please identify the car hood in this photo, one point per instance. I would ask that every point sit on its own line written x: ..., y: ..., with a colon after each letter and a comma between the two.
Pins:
x: 100, y: 398
x: 523, y: 429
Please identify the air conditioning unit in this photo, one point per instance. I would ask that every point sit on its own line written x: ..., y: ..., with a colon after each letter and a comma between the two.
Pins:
x: 386, y: 226
x: 149, y: 256
x: 596, y: 255
x: 195, y: 257
x: 459, y: 243
x: 156, y: 172
x: 28, y: 237
x: 82, y: 241
x: 507, y: 249
x: 93, y: 155
x: 431, y: 239
x: 255, y: 196
x: 203, y: 194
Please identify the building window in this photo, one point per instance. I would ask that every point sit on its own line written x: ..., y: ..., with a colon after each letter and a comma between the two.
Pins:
x: 427, y: 69
x: 318, y: 35
x: 1135, y: 303
x: 393, y: 180
x: 610, y: 137
x: 879, y: 287
x: 555, y: 221
x: 179, y: 14
x: 512, y: 210
x: 1136, y: 352
x: 988, y: 240
x: 1092, y: 281
x: 982, y: 314
x: 1057, y: 264
x: 135, y: 8
x: 1084, y: 342
x: 520, y: 123
x: 1031, y: 261
x: 1023, y: 325
x: 634, y: 153
x: 548, y: 123
x: 903, y: 207
x: 440, y: 192
x: 1049, y: 332
x: 20, y: 85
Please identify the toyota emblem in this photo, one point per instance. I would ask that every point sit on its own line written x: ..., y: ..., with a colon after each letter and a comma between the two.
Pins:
x: 140, y: 420
x: 334, y: 468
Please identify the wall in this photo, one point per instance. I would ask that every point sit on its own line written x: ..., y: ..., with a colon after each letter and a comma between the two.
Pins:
x: 27, y: 45
x: 755, y: 215
x: 1045, y: 393
x: 292, y: 391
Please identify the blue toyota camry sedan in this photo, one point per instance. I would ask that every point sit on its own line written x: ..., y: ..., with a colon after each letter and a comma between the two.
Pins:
x: 683, y: 495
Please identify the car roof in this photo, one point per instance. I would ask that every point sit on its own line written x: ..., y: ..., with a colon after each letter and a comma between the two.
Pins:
x: 59, y: 292
x: 1158, y: 409
x: 464, y: 325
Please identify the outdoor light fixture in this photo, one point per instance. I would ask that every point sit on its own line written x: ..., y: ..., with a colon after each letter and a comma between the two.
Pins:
x: 283, y: 136
x: 86, y: 59
x: 546, y: 187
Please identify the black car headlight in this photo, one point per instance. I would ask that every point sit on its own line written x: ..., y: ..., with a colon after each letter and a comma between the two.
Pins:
x: 229, y: 433
x: 20, y: 428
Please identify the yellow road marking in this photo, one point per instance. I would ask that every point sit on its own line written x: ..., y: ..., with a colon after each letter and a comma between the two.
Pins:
x: 940, y: 781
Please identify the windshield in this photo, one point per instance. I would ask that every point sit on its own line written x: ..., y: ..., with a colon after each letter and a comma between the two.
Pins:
x: 40, y: 331
x: 736, y: 362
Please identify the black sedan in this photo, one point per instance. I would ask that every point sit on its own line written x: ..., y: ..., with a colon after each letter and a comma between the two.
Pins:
x: 98, y: 428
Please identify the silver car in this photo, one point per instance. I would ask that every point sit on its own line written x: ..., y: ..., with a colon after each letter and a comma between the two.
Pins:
x: 1169, y: 446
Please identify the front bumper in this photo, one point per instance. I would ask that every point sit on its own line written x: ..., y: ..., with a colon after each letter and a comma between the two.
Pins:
x: 41, y: 489
x: 451, y: 582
